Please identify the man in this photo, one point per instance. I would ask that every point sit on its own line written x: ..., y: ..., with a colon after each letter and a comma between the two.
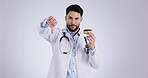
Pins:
x: 70, y: 59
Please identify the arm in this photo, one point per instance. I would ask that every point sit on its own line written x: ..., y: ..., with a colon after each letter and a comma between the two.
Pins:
x: 47, y: 29
x: 94, y: 57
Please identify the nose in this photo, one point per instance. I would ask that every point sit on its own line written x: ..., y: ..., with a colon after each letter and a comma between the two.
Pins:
x: 73, y: 21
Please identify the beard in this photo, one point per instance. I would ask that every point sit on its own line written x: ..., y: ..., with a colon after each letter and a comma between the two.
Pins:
x: 73, y: 28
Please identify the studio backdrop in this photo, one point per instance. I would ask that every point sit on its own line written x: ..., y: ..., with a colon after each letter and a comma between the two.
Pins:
x: 120, y: 27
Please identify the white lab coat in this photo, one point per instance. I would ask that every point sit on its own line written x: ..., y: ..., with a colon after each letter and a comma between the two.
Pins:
x: 86, y: 64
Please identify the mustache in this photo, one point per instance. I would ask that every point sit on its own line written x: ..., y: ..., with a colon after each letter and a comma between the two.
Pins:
x: 72, y: 25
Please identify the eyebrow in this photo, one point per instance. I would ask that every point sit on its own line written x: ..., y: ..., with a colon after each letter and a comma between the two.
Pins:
x: 72, y: 17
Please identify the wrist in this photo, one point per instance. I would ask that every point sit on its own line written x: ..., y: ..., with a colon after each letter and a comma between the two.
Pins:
x: 92, y: 47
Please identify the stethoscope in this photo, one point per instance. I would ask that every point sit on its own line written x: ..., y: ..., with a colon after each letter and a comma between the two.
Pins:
x: 60, y: 41
x: 86, y: 49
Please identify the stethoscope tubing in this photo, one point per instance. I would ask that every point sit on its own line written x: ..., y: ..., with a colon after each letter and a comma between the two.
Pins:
x: 64, y: 36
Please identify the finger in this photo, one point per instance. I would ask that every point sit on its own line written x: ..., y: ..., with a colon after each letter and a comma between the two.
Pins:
x: 92, y: 35
x: 89, y: 39
x: 50, y: 17
x: 54, y: 23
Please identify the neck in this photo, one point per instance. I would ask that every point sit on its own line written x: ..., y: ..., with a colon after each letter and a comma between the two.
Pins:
x: 75, y: 32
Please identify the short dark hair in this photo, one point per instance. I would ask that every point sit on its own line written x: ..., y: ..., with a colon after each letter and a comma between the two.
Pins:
x: 75, y: 8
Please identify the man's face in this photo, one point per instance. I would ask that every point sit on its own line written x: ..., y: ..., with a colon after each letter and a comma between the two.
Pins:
x: 73, y: 20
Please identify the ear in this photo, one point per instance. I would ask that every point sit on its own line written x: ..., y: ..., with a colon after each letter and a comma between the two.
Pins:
x: 81, y: 19
x: 65, y: 18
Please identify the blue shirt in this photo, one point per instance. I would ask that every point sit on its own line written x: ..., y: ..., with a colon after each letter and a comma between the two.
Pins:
x: 72, y: 71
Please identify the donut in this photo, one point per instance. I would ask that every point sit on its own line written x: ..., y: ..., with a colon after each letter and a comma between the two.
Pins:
x: 86, y: 31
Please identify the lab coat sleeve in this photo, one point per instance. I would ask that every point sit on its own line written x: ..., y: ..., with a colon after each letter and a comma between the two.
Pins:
x: 94, y: 58
x: 45, y: 31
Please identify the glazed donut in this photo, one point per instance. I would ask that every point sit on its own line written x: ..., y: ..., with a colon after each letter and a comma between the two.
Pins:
x: 86, y: 31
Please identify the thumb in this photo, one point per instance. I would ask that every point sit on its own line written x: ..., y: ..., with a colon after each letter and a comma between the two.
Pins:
x: 52, y: 28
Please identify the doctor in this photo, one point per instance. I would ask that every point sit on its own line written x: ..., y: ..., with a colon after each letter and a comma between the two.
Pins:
x: 69, y: 59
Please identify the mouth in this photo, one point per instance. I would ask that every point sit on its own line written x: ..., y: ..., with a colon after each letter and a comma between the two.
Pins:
x: 73, y: 26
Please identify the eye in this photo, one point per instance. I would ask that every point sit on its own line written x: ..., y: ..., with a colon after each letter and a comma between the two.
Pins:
x: 76, y: 18
x: 70, y: 17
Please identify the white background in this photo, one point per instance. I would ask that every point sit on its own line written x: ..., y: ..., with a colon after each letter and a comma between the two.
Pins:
x: 120, y: 26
